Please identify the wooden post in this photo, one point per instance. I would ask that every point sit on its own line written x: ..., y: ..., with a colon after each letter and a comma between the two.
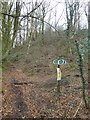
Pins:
x: 58, y: 79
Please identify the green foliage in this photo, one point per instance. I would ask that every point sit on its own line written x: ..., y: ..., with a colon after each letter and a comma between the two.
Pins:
x: 72, y: 66
x: 10, y: 59
x: 5, y: 64
x: 83, y: 45
x: 15, y: 57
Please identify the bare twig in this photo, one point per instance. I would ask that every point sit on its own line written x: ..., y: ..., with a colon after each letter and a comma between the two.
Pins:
x: 23, y: 16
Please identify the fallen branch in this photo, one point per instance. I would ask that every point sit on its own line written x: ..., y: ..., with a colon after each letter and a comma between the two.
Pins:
x: 77, y: 109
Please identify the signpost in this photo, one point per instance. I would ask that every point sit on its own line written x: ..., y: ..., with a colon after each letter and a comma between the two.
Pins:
x: 59, y: 75
x: 59, y: 62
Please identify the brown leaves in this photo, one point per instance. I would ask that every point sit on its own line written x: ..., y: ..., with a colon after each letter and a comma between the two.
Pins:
x: 38, y: 98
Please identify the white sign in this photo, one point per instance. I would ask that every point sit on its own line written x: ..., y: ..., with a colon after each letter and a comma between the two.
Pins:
x: 58, y: 74
x: 62, y: 61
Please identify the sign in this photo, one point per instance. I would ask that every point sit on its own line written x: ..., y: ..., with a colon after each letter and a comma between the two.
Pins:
x: 58, y: 74
x: 59, y: 62
x: 55, y: 61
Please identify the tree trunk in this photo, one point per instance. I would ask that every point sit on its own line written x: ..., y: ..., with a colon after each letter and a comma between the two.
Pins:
x: 81, y: 73
x: 43, y: 16
x: 89, y: 53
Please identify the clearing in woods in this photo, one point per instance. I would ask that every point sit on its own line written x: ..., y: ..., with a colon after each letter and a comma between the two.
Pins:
x: 35, y: 96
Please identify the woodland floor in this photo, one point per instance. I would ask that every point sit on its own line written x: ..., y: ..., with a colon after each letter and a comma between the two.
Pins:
x: 29, y: 86
x: 35, y: 96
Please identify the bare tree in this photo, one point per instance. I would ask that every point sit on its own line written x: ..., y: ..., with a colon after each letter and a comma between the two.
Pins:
x: 9, y: 23
x: 43, y: 17
x: 72, y: 14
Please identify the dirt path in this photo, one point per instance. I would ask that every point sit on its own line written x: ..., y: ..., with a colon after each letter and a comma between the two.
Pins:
x: 35, y: 96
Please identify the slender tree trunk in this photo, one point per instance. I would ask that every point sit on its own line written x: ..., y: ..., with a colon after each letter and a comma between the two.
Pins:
x: 27, y: 28
x: 32, y: 25
x: 89, y: 53
x: 81, y: 73
x: 36, y: 23
x: 43, y: 16
x: 68, y: 17
x: 43, y: 30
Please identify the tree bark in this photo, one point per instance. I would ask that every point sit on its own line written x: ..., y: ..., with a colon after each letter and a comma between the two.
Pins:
x: 89, y: 53
x: 81, y: 74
